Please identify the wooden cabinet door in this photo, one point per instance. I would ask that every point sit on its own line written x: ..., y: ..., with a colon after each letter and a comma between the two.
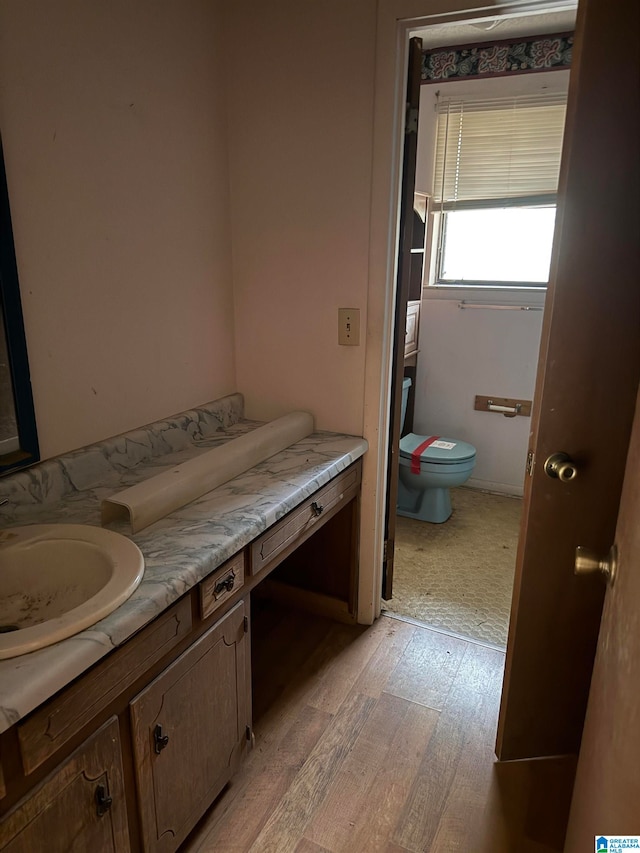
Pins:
x: 79, y: 808
x: 413, y: 324
x: 189, y: 730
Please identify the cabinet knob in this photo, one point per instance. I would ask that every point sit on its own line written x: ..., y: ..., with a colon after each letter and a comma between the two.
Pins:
x: 103, y: 802
x: 317, y: 508
x: 159, y: 740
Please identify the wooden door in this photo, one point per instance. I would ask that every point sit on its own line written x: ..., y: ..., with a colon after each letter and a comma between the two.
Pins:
x: 80, y: 807
x: 402, y: 295
x: 607, y: 788
x: 585, y: 394
x: 189, y: 730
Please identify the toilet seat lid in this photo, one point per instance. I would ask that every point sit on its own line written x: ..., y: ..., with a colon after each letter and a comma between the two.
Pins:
x: 442, y: 449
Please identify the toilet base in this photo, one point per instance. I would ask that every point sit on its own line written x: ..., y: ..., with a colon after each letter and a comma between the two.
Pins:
x: 433, y: 505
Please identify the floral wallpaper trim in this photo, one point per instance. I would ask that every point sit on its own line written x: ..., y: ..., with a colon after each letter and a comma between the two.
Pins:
x: 498, y: 58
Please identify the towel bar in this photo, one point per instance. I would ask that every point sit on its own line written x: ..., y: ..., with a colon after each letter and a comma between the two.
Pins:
x: 465, y: 304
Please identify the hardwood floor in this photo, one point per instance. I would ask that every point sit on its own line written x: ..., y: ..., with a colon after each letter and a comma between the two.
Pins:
x: 379, y: 739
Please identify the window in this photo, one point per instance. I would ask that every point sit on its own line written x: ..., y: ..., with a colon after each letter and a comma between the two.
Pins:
x: 496, y: 177
x: 508, y: 245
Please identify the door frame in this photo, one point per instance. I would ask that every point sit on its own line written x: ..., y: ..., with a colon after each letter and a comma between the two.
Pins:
x: 401, y: 302
x: 397, y: 22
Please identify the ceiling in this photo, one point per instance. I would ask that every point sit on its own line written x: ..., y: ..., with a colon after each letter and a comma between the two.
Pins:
x: 495, y: 29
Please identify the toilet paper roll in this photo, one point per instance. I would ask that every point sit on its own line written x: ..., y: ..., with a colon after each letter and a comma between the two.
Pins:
x: 158, y: 496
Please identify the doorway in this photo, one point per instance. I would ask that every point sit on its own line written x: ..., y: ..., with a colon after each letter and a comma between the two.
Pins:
x: 458, y: 576
x: 553, y: 637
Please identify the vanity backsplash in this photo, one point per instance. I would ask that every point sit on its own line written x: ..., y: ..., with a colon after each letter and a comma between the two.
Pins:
x: 109, y: 464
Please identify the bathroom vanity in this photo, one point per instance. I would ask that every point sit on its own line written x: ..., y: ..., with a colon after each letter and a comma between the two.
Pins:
x: 121, y: 737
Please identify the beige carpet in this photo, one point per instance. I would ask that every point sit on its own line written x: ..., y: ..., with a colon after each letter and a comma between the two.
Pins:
x: 459, y: 575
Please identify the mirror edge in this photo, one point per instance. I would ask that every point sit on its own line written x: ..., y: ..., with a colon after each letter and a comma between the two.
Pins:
x: 28, y: 452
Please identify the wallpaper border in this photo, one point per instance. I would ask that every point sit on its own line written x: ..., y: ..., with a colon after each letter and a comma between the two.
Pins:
x: 549, y: 52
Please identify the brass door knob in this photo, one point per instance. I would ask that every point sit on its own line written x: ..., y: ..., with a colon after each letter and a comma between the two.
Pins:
x: 588, y: 563
x: 560, y: 466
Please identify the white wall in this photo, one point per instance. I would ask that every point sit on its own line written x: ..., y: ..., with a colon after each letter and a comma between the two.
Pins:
x: 300, y: 130
x: 464, y: 352
x: 114, y: 131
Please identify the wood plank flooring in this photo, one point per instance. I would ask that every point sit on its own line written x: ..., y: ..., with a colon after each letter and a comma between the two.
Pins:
x: 379, y: 739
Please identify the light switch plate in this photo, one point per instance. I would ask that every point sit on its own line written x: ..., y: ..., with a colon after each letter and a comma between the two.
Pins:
x: 349, y: 327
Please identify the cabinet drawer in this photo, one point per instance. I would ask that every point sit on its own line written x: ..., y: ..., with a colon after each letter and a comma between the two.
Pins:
x: 301, y: 522
x: 48, y: 728
x: 221, y: 585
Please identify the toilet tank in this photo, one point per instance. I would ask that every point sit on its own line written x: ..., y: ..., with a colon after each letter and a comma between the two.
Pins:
x: 406, y: 384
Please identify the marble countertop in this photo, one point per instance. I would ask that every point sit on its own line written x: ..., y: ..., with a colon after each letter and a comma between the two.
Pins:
x: 180, y: 549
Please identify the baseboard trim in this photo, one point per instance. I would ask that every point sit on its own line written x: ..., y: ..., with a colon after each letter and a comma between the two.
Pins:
x: 496, y: 488
x: 303, y: 599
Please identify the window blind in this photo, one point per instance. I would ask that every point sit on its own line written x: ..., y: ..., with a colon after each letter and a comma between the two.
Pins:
x: 505, y: 148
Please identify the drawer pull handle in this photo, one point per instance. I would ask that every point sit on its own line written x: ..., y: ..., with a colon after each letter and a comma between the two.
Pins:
x: 103, y: 802
x: 159, y: 740
x: 225, y: 585
x: 317, y: 508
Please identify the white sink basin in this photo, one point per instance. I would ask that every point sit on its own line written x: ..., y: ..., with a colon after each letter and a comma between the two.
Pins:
x: 58, y: 579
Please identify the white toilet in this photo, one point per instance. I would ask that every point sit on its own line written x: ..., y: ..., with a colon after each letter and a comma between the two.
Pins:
x: 429, y: 466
